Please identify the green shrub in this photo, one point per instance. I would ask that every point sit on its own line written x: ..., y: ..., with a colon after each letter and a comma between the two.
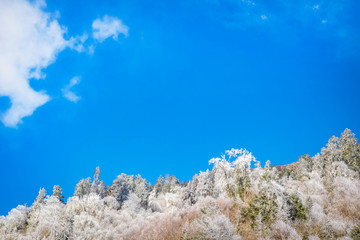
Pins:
x: 263, y: 206
x: 355, y: 233
x: 297, y: 210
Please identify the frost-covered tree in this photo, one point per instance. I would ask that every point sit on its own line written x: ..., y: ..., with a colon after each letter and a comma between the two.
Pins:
x: 33, y: 220
x: 158, y: 186
x: 83, y: 188
x: 170, y: 184
x: 205, y: 184
x: 57, y: 192
x: 232, y: 172
x: 350, y: 149
x: 98, y: 186
x: 40, y: 199
x: 190, y: 192
x: 142, y: 190
x: 211, y: 224
x: 121, y: 187
x: 314, y: 198
x: 51, y: 222
x: 15, y: 222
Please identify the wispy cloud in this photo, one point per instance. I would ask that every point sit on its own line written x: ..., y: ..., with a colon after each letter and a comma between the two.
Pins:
x: 30, y: 40
x: 108, y: 27
x: 67, y: 93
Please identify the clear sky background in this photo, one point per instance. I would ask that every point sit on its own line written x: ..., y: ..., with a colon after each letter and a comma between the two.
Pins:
x: 161, y: 87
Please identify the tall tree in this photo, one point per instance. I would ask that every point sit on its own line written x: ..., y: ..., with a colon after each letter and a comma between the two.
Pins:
x: 57, y: 192
x: 83, y: 188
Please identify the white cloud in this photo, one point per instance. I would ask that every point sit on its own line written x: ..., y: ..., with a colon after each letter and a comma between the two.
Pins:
x: 108, y: 27
x: 30, y: 39
x: 67, y: 93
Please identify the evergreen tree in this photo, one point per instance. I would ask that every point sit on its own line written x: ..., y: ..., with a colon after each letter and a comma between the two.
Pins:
x: 121, y: 187
x: 83, y: 188
x: 314, y: 198
x: 57, y: 192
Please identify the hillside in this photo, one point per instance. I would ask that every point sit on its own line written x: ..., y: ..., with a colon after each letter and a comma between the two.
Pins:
x: 314, y: 198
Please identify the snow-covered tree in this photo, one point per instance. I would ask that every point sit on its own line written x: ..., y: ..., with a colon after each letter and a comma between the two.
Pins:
x: 142, y: 190
x: 314, y: 198
x: 121, y: 187
x: 98, y: 186
x: 57, y: 192
x: 83, y: 188
x: 350, y: 149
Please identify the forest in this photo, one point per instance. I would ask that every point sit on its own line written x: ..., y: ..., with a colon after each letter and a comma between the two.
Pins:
x: 316, y: 197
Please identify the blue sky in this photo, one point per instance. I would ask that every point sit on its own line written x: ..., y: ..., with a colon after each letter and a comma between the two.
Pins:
x: 161, y: 87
